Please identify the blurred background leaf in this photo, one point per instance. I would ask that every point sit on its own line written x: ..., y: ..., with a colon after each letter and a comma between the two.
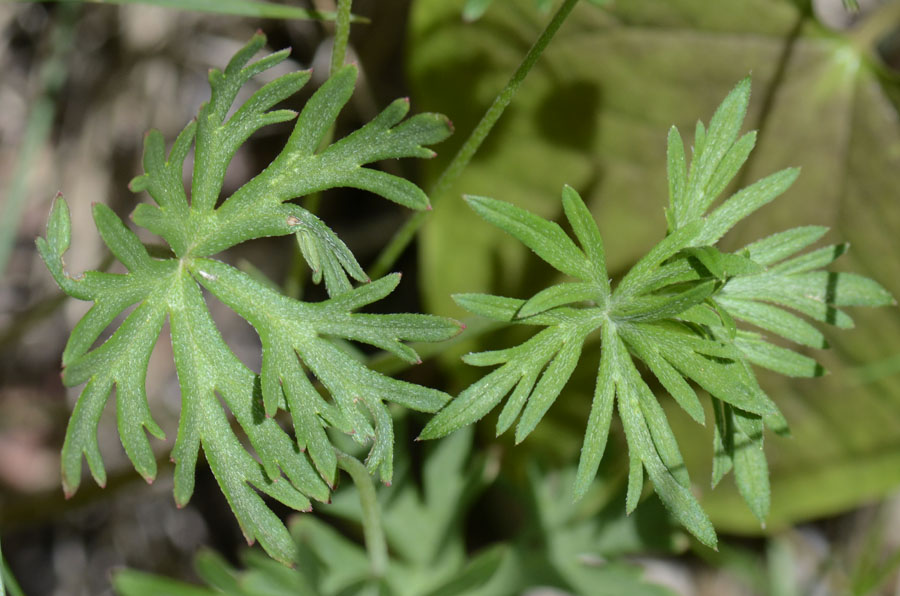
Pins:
x: 594, y: 114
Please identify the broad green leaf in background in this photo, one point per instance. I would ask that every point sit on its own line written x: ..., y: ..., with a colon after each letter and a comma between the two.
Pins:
x: 590, y: 115
x: 300, y: 341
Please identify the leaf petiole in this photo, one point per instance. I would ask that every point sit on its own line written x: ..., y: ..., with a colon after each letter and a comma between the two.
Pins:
x: 373, y: 531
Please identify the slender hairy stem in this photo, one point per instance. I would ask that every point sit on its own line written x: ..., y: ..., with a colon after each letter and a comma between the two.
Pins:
x: 371, y: 514
x: 341, y: 35
x: 37, y: 129
x: 405, y: 234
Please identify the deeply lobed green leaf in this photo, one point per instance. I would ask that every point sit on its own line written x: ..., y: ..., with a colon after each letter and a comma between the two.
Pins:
x: 675, y: 310
x: 305, y: 369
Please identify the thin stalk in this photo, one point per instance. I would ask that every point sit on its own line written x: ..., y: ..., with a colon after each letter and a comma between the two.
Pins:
x: 373, y: 533
x: 341, y: 35
x: 37, y: 129
x: 8, y: 583
x: 454, y: 169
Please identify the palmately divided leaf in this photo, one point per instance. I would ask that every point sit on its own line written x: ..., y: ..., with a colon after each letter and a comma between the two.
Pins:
x: 676, y: 311
x: 302, y: 343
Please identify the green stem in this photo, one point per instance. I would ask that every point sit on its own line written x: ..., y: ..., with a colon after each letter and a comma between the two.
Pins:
x: 37, y: 129
x: 341, y: 35
x: 371, y: 514
x: 8, y: 583
x: 454, y: 169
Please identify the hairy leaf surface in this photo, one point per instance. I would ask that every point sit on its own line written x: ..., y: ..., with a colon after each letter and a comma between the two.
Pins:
x: 673, y: 311
x: 305, y: 369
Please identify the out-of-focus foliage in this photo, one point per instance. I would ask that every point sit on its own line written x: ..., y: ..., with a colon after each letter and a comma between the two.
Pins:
x: 572, y: 548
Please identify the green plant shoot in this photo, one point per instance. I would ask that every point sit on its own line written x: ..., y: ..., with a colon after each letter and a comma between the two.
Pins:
x: 297, y: 338
x: 675, y: 311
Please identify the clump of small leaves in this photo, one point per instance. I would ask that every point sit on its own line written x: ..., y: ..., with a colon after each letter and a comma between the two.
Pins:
x: 423, y: 545
x: 675, y: 311
x: 298, y: 338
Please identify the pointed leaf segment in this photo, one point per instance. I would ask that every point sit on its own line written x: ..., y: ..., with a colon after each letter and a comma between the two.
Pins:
x: 675, y: 311
x: 305, y: 370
